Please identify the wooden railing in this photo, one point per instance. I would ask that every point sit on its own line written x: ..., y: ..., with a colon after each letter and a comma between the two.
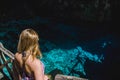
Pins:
x: 4, y: 62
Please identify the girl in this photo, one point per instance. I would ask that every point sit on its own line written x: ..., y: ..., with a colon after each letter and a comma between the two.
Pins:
x: 30, y: 67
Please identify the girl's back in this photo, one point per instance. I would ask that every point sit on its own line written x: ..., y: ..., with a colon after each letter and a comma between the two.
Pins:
x: 26, y: 64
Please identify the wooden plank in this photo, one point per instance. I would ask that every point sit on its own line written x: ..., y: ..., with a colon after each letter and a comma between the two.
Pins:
x: 66, y: 77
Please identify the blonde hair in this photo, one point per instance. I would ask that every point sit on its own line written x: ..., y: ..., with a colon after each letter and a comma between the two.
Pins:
x: 28, y: 41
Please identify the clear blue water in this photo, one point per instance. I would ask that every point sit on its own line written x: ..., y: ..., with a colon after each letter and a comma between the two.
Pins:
x: 68, y: 57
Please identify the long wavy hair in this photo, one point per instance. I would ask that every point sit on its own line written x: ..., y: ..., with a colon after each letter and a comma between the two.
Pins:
x: 28, y: 41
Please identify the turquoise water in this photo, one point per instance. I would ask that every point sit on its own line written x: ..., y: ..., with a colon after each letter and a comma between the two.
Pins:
x: 68, y: 61
x: 67, y: 57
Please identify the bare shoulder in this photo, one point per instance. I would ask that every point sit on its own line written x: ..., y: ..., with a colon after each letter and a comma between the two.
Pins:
x: 35, y: 64
x: 17, y: 55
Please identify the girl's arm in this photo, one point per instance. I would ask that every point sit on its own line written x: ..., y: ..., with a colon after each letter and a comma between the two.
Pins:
x: 37, y: 68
